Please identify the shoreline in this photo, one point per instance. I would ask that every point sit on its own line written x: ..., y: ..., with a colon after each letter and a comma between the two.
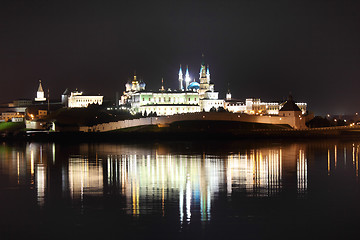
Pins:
x: 169, y: 134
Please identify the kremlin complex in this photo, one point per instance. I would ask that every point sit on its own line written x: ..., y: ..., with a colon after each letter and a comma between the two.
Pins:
x: 188, y: 102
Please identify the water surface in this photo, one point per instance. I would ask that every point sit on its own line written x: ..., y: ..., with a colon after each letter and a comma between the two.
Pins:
x: 180, y: 190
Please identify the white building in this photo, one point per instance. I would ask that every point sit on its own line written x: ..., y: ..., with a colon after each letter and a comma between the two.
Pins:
x: 78, y: 100
x: 190, y: 97
x: 255, y: 106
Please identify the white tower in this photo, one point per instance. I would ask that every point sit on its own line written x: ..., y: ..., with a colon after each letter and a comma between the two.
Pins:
x: 187, y: 78
x: 204, y: 79
x: 40, y: 94
x: 181, y: 79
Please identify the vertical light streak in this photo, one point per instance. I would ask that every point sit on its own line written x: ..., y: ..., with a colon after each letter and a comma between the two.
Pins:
x: 353, y: 154
x: 40, y: 184
x: 181, y: 203
x: 18, y: 167
x: 53, y: 153
x: 328, y: 162
x: 188, y: 199
x: 335, y: 152
x: 32, y: 166
x: 357, y: 160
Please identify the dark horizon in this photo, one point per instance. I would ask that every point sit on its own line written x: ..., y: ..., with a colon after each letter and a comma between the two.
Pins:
x: 261, y: 49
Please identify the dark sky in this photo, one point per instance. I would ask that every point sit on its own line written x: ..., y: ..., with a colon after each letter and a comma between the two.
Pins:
x: 263, y: 49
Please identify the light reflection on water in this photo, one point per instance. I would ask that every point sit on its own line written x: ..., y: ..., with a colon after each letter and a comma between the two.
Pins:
x: 152, y: 178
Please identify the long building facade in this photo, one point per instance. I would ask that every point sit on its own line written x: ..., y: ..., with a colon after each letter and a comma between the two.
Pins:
x: 256, y: 106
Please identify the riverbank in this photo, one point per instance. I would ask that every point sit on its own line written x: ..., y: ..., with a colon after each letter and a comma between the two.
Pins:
x: 211, y: 131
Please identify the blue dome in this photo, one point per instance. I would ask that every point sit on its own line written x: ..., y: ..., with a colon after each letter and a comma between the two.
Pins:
x: 194, y: 85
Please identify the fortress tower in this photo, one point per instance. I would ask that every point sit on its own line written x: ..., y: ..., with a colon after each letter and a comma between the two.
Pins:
x: 40, y: 95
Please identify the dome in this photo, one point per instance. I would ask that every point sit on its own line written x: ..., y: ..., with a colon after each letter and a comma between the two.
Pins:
x: 128, y: 86
x: 142, y: 85
x: 194, y: 85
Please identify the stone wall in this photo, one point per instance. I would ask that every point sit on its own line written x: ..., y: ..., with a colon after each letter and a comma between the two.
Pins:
x: 294, y: 122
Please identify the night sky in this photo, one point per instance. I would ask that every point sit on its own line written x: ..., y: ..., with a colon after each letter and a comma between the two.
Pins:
x: 262, y: 49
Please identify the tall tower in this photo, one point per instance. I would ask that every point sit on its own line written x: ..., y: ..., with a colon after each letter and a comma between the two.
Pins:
x: 204, y: 79
x: 187, y: 78
x: 40, y: 95
x: 181, y: 79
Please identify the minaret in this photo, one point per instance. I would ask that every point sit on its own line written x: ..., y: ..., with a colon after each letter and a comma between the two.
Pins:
x: 187, y: 78
x: 208, y: 74
x: 181, y: 79
x: 40, y: 94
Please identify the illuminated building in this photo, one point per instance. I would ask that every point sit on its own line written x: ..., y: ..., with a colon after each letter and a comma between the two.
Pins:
x: 194, y: 97
x: 256, y: 106
x: 78, y: 100
x: 132, y: 87
x: 13, y: 116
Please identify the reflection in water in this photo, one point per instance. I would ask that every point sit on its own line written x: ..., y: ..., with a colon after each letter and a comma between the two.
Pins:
x: 84, y: 178
x: 151, y: 180
x: 301, y: 166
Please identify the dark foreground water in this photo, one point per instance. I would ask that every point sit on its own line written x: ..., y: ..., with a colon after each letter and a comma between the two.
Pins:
x: 180, y: 190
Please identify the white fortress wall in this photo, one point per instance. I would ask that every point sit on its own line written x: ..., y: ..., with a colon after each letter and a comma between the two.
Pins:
x: 297, y: 123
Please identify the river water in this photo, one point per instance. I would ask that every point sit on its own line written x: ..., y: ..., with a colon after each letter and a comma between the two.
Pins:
x: 180, y: 190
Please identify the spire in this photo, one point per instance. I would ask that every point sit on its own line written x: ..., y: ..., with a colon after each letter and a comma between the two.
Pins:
x: 187, y: 78
x: 290, y: 97
x: 162, y: 84
x: 40, y: 89
x: 135, y: 76
x: 187, y: 71
x: 181, y: 79
x: 180, y: 73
